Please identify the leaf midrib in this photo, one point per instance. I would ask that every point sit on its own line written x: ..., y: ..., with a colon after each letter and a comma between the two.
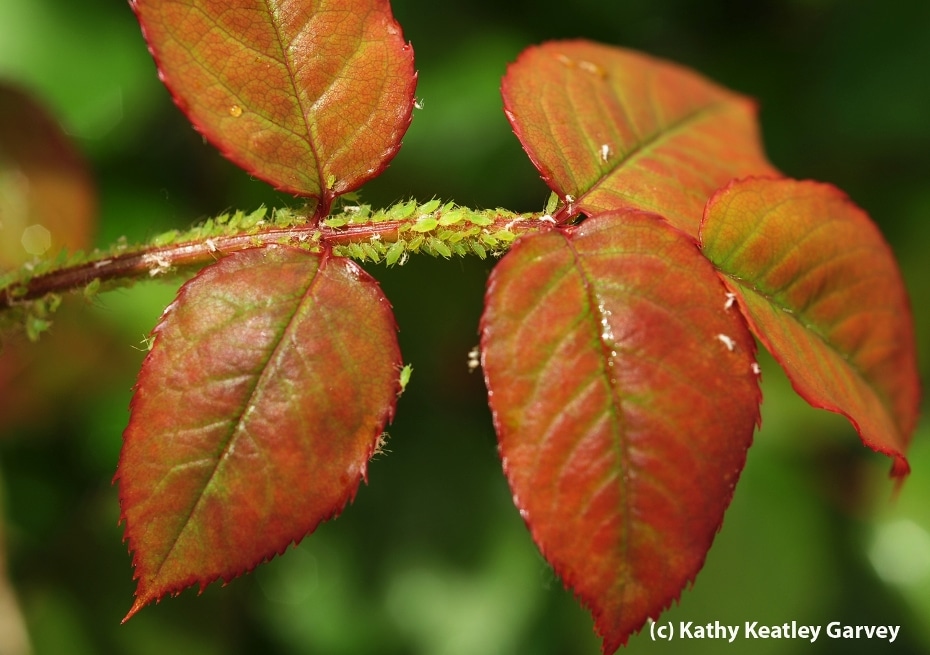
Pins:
x: 813, y: 329
x: 238, y: 424
x: 655, y: 141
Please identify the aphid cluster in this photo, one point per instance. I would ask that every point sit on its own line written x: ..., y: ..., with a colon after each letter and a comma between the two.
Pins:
x: 440, y: 230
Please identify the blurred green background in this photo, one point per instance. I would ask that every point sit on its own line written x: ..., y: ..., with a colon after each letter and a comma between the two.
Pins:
x: 432, y: 557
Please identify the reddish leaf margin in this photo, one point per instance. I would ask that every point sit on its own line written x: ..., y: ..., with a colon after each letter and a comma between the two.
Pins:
x: 821, y: 289
x: 609, y: 128
x: 268, y: 386
x: 313, y: 98
x: 624, y: 393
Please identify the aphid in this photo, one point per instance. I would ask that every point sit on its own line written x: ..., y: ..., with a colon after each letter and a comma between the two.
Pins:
x: 335, y: 222
x: 418, y: 103
x: 479, y: 219
x: 400, y: 211
x: 165, y: 238
x: 425, y: 223
x: 404, y: 378
x: 430, y: 206
x: 370, y: 252
x: 439, y: 247
x: 552, y: 203
x: 474, y: 359
x: 356, y: 251
x: 92, y: 287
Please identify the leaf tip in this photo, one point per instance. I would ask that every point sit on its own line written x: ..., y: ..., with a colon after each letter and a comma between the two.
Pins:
x: 138, y: 604
x: 900, y: 469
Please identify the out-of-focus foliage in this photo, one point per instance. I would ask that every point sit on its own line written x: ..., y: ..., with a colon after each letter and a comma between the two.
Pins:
x: 47, y: 200
x: 432, y: 557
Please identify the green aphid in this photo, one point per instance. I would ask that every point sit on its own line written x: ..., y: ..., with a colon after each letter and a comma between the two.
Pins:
x: 401, y: 211
x: 370, y: 252
x: 54, y: 302
x: 360, y: 215
x: 479, y: 250
x: 429, y: 207
x: 65, y: 258
x: 489, y: 240
x: 394, y: 253
x: 335, y: 221
x: 357, y: 251
x: 505, y: 235
x: 208, y: 226
x: 552, y: 203
x: 425, y: 223
x: 452, y: 217
x: 165, y: 238
x: 253, y: 219
x: 479, y: 219
x: 414, y: 245
x: 404, y: 378
x: 35, y: 326
x: 440, y: 247
x: 459, y: 248
x: 284, y: 218
x: 92, y: 288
